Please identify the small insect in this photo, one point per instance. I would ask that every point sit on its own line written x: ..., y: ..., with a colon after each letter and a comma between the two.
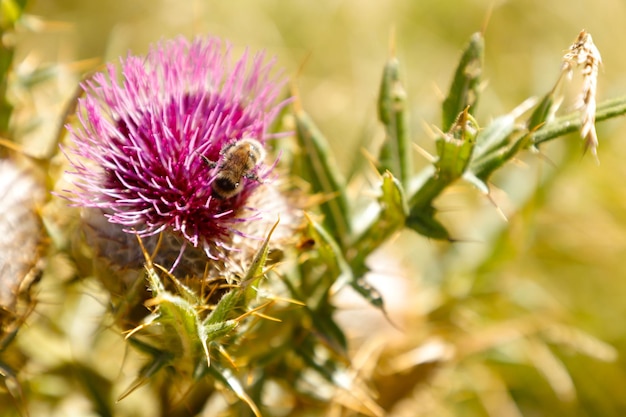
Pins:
x: 238, y: 160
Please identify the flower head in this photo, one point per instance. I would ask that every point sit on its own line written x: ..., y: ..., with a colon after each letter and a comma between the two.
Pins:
x: 150, y: 147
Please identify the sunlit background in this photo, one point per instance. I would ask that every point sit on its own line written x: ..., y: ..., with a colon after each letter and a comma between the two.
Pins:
x: 563, y: 244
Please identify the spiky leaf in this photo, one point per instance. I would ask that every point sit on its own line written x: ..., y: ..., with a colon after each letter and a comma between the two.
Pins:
x: 160, y: 359
x: 330, y: 255
x: 396, y: 153
x: 455, y: 149
x: 465, y: 88
x: 226, y: 377
x: 391, y: 218
x: 321, y: 171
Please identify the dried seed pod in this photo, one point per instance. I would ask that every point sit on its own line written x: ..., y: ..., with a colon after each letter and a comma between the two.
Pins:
x: 583, y: 53
x: 20, y: 242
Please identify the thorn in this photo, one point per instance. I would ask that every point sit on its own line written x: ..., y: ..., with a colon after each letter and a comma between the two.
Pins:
x: 487, y: 18
x: 497, y: 207
x: 371, y: 159
x: 430, y: 158
x: 392, y: 42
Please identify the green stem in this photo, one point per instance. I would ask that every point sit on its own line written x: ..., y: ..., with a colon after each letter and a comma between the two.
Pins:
x: 572, y: 122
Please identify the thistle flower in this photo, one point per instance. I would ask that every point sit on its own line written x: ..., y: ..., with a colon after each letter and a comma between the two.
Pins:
x: 149, y: 149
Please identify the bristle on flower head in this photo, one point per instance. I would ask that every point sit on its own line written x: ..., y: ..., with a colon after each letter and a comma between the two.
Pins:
x: 140, y: 151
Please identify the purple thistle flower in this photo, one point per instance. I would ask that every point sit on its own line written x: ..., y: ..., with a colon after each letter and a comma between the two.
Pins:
x: 140, y: 154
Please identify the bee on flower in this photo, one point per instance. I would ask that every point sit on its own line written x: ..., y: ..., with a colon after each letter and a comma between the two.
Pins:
x: 238, y: 160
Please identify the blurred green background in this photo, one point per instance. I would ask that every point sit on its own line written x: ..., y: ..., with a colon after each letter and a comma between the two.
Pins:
x: 565, y: 233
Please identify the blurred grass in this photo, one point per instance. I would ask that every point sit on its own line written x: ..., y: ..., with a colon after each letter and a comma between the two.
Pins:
x: 569, y: 237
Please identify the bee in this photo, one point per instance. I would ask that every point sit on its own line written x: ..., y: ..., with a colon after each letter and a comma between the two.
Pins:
x: 237, y: 160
